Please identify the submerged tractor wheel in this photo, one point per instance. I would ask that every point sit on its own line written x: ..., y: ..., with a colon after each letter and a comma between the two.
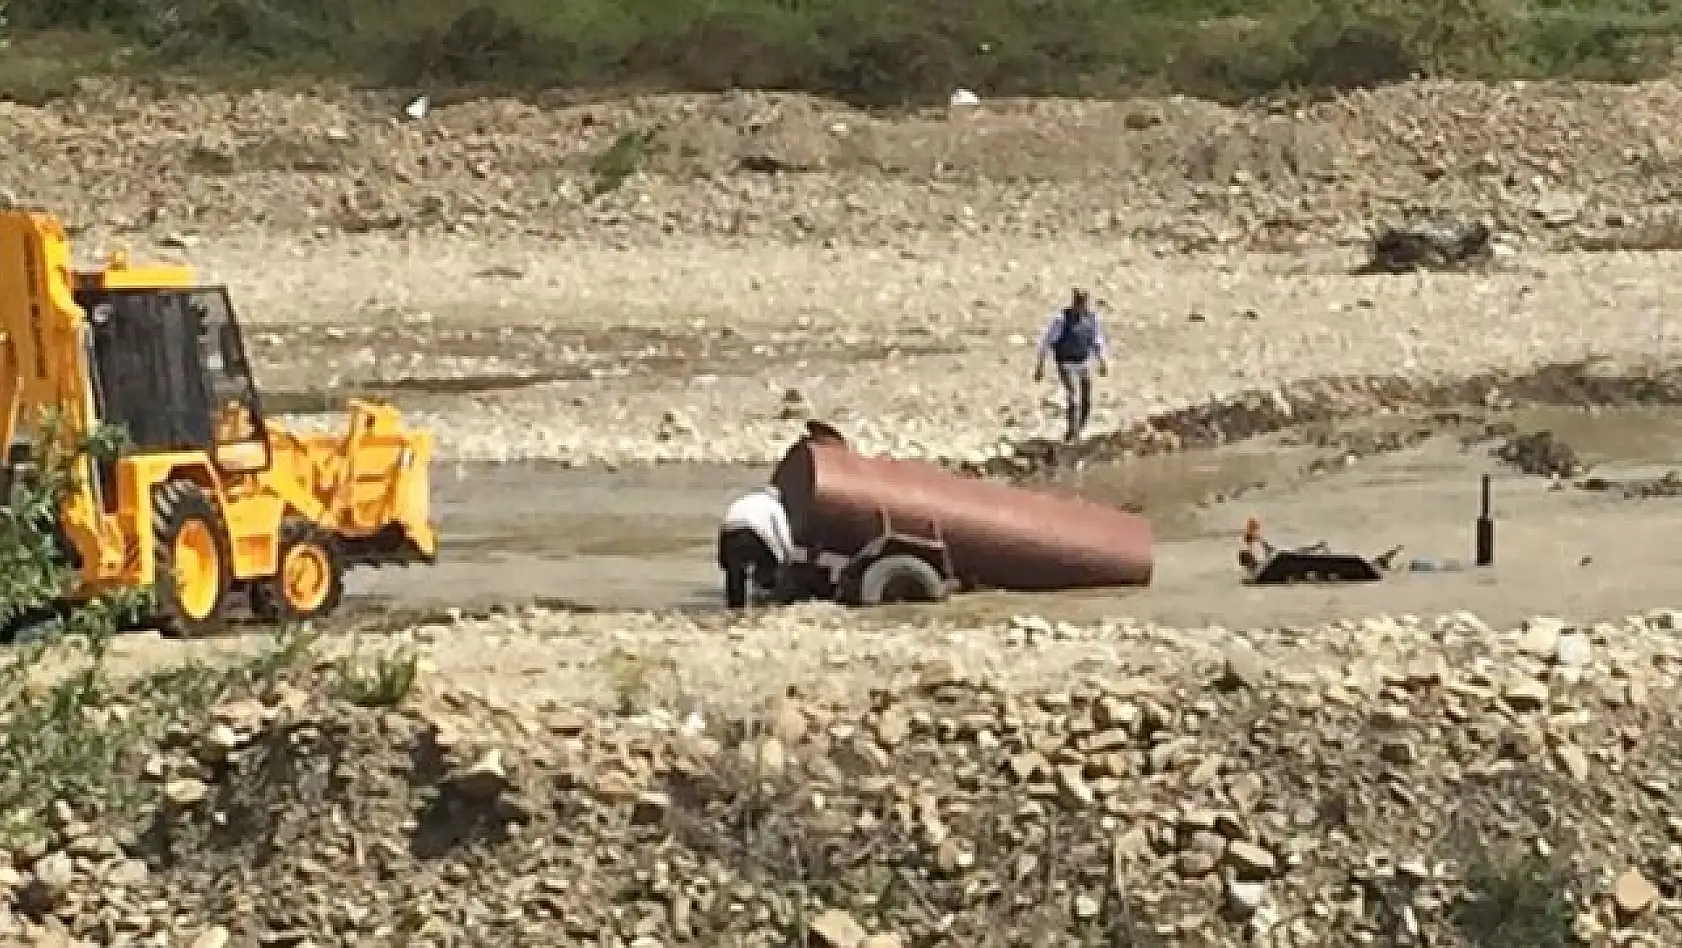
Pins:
x: 309, y: 576
x: 191, y: 558
x: 900, y: 578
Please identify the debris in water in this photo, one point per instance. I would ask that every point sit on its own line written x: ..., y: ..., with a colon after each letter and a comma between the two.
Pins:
x: 1668, y: 485
x: 1542, y: 454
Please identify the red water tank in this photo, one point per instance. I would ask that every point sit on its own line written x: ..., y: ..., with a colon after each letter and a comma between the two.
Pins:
x: 999, y: 537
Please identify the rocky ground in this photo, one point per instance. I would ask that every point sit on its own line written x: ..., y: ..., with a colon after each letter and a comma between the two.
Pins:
x: 1568, y: 163
x: 1393, y: 781
x: 1389, y: 781
x: 717, y: 353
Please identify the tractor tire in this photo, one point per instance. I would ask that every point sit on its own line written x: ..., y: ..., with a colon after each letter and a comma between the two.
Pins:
x: 900, y: 578
x: 309, y: 579
x: 193, y: 569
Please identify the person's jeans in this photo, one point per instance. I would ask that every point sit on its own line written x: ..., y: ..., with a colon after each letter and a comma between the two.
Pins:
x: 1077, y: 395
x: 745, y: 559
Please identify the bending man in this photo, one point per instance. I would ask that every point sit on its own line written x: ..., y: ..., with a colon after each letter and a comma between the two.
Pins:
x: 754, y: 542
x: 1075, y: 341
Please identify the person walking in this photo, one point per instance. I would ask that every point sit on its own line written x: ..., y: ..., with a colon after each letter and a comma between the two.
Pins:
x: 1074, y: 340
x: 754, y: 541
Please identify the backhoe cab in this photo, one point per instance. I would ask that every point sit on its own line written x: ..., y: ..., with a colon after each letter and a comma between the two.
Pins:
x: 209, y: 502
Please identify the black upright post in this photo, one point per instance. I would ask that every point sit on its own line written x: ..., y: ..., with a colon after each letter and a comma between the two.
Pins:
x: 1486, y: 530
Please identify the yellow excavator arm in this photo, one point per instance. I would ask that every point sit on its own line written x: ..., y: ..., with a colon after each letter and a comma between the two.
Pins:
x: 44, y: 368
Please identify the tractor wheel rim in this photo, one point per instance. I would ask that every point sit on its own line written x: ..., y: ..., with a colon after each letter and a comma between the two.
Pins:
x: 306, y: 577
x: 198, y: 570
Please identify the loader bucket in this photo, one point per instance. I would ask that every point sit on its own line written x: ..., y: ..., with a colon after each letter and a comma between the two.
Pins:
x: 374, y: 486
x: 385, y: 491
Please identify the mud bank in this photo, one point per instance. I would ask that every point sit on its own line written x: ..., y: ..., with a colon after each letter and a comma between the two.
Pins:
x: 1332, y: 399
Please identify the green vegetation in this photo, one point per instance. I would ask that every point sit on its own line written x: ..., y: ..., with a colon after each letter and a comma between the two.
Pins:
x: 73, y: 731
x: 68, y: 728
x: 1520, y: 899
x: 873, y: 52
x: 382, y: 680
x: 623, y: 159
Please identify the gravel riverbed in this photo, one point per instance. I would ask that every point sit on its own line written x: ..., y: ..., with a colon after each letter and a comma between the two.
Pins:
x: 717, y: 354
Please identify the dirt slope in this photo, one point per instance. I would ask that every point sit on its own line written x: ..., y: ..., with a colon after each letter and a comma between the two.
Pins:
x: 1562, y: 161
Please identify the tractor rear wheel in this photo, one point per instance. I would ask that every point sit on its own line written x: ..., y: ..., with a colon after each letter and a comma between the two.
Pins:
x: 900, y: 578
x: 192, y: 569
x: 309, y: 579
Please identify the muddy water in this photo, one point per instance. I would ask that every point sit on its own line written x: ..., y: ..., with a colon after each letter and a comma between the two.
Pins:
x: 640, y: 538
x: 1619, y: 438
x: 1172, y: 489
x: 643, y: 538
x: 487, y: 511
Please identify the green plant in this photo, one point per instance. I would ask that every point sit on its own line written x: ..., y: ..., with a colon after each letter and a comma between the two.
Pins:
x: 868, y: 52
x: 382, y: 681
x: 1517, y: 897
x: 620, y: 161
x: 34, y: 573
x: 71, y: 730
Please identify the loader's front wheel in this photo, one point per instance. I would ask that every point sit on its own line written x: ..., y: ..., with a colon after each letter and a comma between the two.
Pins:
x: 309, y: 580
x: 192, y: 570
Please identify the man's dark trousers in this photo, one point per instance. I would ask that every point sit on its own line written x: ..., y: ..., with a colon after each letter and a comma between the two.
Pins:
x: 1077, y: 395
x: 744, y: 558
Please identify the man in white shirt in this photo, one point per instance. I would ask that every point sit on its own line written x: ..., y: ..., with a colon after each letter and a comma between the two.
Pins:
x: 754, y: 542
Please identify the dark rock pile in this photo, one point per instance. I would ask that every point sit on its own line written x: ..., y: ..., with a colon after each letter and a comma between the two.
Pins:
x: 1540, y: 453
x: 1405, y: 249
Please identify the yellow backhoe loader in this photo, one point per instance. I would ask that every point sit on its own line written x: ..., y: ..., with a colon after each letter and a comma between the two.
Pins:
x: 208, y: 503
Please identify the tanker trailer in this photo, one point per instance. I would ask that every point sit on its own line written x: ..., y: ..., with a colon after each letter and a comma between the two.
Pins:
x: 878, y: 529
